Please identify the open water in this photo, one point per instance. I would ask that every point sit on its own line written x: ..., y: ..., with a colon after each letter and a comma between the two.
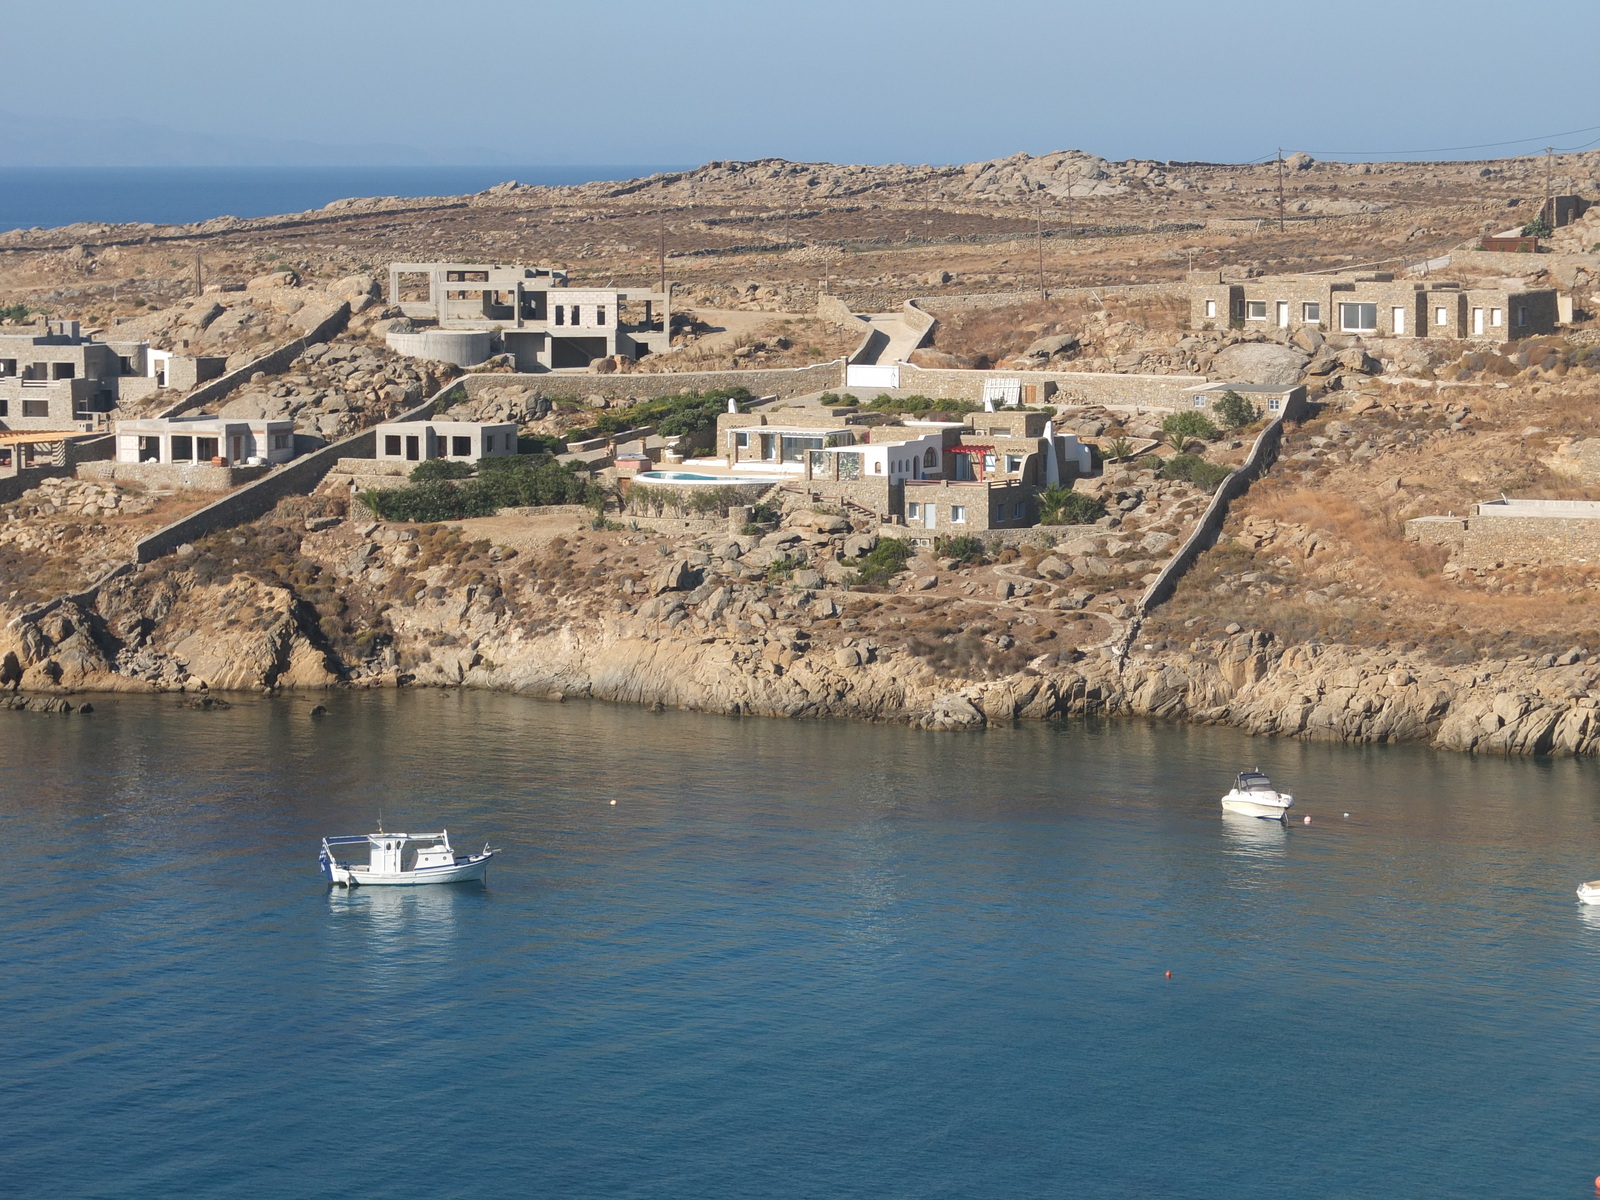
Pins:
x: 51, y: 196
x: 795, y: 959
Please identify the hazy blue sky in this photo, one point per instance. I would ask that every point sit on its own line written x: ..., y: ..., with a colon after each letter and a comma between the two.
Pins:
x: 585, y: 81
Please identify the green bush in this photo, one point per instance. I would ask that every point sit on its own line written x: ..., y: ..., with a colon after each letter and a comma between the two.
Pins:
x: 1189, y: 424
x: 531, y: 480
x: 440, y: 468
x: 673, y: 416
x: 1191, y: 468
x: 1118, y: 449
x: 1060, y: 505
x: 886, y: 560
x: 963, y: 547
x: 1234, y: 410
x: 15, y: 312
x: 1537, y: 228
x: 922, y: 405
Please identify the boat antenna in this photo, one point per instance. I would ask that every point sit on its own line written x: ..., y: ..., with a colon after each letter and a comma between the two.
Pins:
x: 380, y: 820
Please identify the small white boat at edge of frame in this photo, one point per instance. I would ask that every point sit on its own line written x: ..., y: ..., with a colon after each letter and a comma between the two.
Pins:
x: 433, y: 862
x: 1589, y: 892
x: 1254, y: 796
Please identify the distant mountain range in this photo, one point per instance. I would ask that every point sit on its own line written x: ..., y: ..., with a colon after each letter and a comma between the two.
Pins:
x: 31, y: 140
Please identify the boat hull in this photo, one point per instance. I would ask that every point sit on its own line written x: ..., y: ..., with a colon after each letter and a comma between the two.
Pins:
x: 1589, y: 892
x: 473, y: 868
x: 1246, y: 807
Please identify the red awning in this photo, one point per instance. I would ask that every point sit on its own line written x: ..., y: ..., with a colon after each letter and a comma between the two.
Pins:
x: 971, y: 450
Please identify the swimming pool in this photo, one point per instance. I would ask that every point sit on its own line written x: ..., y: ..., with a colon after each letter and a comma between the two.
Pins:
x: 692, y: 477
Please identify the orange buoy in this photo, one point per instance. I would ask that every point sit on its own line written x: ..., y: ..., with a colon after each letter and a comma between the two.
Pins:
x: 1596, y: 1182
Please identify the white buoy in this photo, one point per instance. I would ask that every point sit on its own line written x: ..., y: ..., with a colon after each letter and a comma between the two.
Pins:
x: 613, y: 803
x: 1308, y: 819
x: 1347, y: 816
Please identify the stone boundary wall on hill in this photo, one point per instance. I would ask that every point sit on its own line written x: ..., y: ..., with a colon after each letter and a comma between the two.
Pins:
x: 976, y: 300
x: 1484, y: 542
x: 270, y: 363
x: 919, y: 319
x: 1262, y: 455
x: 1563, y: 268
x: 1073, y: 387
x: 784, y: 382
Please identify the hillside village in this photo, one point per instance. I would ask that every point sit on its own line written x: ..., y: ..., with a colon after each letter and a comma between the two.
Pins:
x: 1305, y: 448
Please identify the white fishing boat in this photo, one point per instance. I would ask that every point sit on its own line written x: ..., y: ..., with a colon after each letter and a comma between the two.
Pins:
x: 1254, y: 796
x: 1589, y: 892
x: 392, y: 860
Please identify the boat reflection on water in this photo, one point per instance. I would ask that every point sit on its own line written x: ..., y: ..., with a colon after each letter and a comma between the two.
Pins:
x: 1251, y: 837
x: 395, y: 933
x: 1590, y: 915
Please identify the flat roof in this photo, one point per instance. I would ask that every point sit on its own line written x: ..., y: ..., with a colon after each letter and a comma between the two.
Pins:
x: 1587, y: 510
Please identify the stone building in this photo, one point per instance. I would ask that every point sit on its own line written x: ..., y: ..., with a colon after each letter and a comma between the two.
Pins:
x: 538, y: 319
x: 462, y: 441
x: 54, y: 378
x: 1372, y: 305
x: 1529, y: 533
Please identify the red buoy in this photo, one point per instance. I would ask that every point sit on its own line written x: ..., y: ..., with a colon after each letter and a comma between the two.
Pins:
x: 1596, y: 1182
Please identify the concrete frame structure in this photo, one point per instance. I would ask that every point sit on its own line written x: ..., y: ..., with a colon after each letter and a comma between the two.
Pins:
x: 460, y: 441
x: 203, y: 439
x: 54, y: 378
x: 542, y: 322
x: 1375, y: 305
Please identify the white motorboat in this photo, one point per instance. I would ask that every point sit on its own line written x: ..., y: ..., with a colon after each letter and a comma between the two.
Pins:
x: 1254, y: 796
x: 387, y: 861
x: 1589, y: 892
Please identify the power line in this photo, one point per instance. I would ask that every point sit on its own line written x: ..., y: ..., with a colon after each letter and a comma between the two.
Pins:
x: 1544, y: 137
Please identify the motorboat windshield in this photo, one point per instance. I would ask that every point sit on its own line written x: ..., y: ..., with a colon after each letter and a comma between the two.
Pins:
x: 1253, y: 781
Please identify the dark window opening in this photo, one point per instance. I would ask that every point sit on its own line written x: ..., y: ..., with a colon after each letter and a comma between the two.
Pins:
x: 182, y: 448
x: 461, y: 447
x: 391, y: 444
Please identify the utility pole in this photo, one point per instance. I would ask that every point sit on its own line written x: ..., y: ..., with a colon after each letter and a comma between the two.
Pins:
x: 663, y: 242
x: 1043, y: 294
x: 1072, y: 180
x: 1280, y: 189
x: 1549, y: 190
x: 199, y: 285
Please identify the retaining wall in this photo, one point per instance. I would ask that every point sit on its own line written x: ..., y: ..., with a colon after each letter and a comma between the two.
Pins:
x: 199, y: 477
x: 1073, y: 387
x: 783, y: 382
x: 271, y: 363
x: 1563, y: 268
x: 1012, y: 299
x: 1262, y: 455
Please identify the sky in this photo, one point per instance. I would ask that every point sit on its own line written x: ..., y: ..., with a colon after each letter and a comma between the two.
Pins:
x: 147, y: 82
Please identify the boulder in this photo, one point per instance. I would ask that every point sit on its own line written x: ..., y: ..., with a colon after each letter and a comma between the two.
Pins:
x: 273, y: 279
x: 1060, y: 345
x: 1260, y: 362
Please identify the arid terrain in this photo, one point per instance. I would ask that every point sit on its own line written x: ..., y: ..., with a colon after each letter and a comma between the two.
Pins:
x: 1312, y: 603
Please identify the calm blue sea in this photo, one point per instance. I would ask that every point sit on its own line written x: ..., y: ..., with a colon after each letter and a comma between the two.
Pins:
x: 795, y: 959
x: 50, y: 196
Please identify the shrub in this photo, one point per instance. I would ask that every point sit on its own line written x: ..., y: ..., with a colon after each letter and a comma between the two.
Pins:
x: 1537, y: 228
x: 440, y: 468
x: 534, y: 480
x: 1234, y: 410
x: 15, y: 312
x: 1191, y: 468
x: 1062, y: 506
x: 922, y: 405
x: 963, y: 547
x: 886, y: 560
x: 1118, y: 449
x: 673, y: 416
x: 1189, y: 424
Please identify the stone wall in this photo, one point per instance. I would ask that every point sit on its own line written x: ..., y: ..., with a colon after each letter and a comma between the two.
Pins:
x: 1566, y: 270
x: 784, y: 382
x: 271, y: 363
x: 973, y: 300
x: 1262, y: 455
x: 72, y: 454
x: 1486, y: 542
x: 1073, y: 387
x: 198, y: 477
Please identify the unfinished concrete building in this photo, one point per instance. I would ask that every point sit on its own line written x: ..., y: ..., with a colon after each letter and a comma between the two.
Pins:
x: 537, y: 318
x: 54, y: 378
x: 1372, y: 305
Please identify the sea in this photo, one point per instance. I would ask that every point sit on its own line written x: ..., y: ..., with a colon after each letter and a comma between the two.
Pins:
x: 47, y: 197
x: 734, y: 957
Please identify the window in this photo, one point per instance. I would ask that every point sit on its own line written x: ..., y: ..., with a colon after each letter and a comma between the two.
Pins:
x: 1441, y: 316
x: 1255, y: 310
x: 488, y: 443
x: 1358, y: 318
x: 877, y: 468
x: 5, y: 408
x: 999, y: 513
x: 1311, y: 312
x: 461, y: 446
x: 8, y: 366
x: 930, y: 459
x: 205, y: 449
x: 1013, y: 462
x: 1018, y: 510
x: 63, y: 371
x: 182, y: 448
x: 1522, y: 314
x: 913, y: 511
x: 1199, y: 401
x: 391, y: 444
x: 1273, y: 404
x: 124, y: 365
x: 1211, y: 308
x: 1495, y: 317
x: 958, y: 514
x: 741, y: 440
x: 988, y: 464
x: 280, y: 441
x: 561, y: 314
x: 36, y: 408
x: 600, y: 314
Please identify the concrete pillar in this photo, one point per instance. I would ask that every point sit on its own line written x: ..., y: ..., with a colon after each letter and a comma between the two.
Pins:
x: 739, y: 515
